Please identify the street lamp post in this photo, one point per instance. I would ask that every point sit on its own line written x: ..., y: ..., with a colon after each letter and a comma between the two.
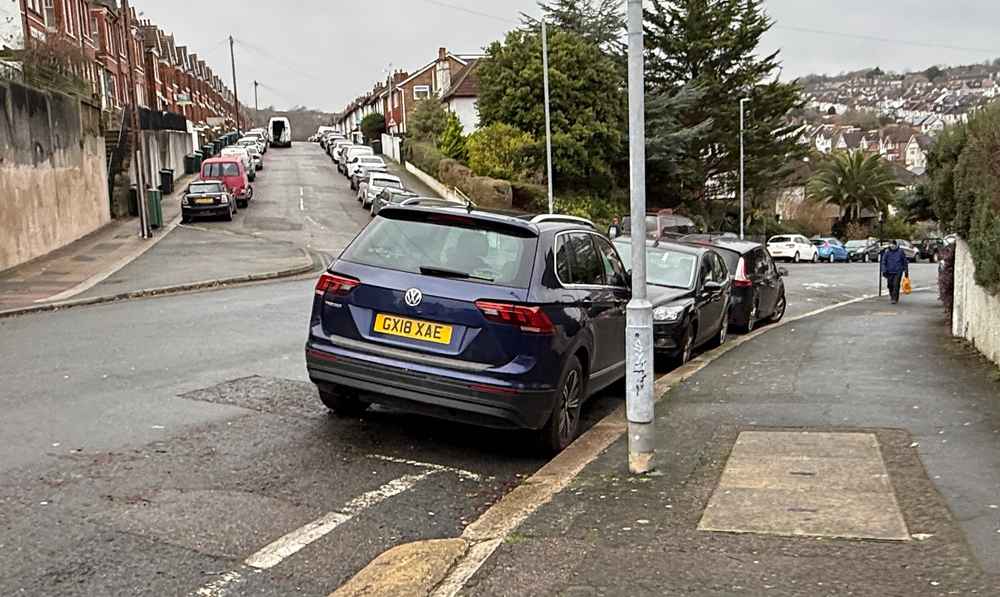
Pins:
x: 548, y: 120
x: 639, y: 399
x: 743, y: 101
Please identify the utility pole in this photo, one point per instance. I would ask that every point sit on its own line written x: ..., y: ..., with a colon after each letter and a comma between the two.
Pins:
x: 548, y: 120
x: 138, y: 154
x: 256, y: 104
x: 742, y: 102
x: 639, y: 399
x: 236, y: 94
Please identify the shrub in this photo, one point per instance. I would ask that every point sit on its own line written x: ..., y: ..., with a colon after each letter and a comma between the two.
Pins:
x: 452, y: 141
x: 896, y: 227
x: 452, y: 173
x: 857, y: 231
x: 428, y: 120
x: 372, y: 127
x: 500, y: 151
x: 424, y: 156
x: 529, y: 197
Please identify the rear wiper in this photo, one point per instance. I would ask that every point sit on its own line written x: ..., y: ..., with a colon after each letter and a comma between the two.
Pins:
x: 448, y: 273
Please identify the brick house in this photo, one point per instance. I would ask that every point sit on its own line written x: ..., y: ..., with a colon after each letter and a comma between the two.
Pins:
x: 430, y: 81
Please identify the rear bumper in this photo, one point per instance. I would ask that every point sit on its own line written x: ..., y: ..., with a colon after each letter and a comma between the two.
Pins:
x: 465, y: 397
x: 204, y: 210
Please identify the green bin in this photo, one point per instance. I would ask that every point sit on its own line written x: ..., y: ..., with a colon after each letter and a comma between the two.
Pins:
x: 154, y: 201
x: 198, y: 158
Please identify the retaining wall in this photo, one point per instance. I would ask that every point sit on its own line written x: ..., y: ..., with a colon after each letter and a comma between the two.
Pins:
x: 976, y: 314
x: 53, y: 172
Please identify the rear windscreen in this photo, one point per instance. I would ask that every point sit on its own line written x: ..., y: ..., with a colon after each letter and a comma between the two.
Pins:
x: 488, y: 256
x: 780, y: 239
x: 205, y: 188
x: 221, y: 169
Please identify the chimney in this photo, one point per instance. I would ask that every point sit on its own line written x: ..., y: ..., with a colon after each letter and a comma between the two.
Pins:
x: 442, y: 53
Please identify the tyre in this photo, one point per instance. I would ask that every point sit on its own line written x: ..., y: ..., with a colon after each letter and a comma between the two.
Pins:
x: 934, y: 258
x: 797, y: 258
x: 815, y: 258
x: 832, y: 258
x: 779, y: 309
x: 229, y: 215
x: 720, y: 338
x: 867, y: 258
x: 752, y: 317
x: 564, y: 423
x: 371, y: 210
x: 687, y: 346
x: 185, y: 219
x: 343, y: 402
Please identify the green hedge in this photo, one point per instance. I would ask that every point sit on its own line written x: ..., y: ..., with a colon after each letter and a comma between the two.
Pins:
x: 423, y: 155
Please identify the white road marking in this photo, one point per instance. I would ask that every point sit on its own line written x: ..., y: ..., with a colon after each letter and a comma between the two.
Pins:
x: 436, y: 467
x: 315, y: 223
x: 219, y: 587
x: 302, y: 199
x: 273, y: 554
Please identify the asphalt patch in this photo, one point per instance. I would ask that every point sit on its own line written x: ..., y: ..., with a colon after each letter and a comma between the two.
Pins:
x: 264, y: 394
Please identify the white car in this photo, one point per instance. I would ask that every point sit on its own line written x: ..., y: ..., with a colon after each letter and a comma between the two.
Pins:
x: 793, y: 247
x: 244, y: 154
x: 375, y: 183
x: 255, y: 155
x: 363, y: 165
x: 253, y: 144
x: 261, y: 138
x: 338, y: 146
x: 346, y: 155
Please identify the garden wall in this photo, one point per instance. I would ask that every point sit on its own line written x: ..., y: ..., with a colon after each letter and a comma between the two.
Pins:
x: 976, y: 313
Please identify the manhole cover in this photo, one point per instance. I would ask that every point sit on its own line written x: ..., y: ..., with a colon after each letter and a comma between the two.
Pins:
x: 805, y: 483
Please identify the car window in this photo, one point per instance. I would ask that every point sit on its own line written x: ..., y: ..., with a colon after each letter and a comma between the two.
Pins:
x: 780, y: 239
x: 577, y: 258
x: 721, y: 272
x: 766, y: 264
x: 205, y: 187
x: 220, y: 169
x: 490, y: 256
x: 707, y: 272
x: 614, y: 270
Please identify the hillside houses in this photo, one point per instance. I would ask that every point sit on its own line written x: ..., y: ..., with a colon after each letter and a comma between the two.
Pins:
x: 900, y: 144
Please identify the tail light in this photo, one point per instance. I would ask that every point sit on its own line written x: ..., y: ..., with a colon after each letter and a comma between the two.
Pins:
x: 336, y: 284
x: 740, y: 280
x: 530, y: 319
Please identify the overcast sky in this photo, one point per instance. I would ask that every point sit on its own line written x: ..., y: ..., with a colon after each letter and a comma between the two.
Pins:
x: 323, y: 53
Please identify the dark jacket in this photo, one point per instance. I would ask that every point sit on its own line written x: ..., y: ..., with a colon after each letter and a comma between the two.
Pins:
x: 894, y: 262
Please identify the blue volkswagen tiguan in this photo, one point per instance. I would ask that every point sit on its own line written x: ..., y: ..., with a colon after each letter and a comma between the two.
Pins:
x: 499, y: 320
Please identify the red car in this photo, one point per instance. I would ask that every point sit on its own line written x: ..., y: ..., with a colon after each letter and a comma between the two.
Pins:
x: 231, y: 172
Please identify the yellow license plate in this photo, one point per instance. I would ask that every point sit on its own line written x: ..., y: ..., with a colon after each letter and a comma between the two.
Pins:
x: 412, y: 328
x: 204, y: 201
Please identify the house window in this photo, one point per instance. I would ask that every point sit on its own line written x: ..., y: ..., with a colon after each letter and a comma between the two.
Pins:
x: 421, y: 92
x: 50, y: 13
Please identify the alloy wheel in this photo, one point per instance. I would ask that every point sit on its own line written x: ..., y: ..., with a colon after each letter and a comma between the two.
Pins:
x: 832, y: 259
x: 797, y: 258
x: 724, y: 332
x: 752, y: 318
x: 569, y: 407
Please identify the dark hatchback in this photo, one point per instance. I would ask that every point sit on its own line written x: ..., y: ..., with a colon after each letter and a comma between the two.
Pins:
x: 207, y: 198
x: 498, y: 320
x: 758, y: 284
x: 690, y: 289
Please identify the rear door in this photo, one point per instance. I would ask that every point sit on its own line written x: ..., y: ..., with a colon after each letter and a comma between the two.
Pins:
x: 766, y: 279
x: 581, y: 274
x: 617, y: 279
x: 710, y: 306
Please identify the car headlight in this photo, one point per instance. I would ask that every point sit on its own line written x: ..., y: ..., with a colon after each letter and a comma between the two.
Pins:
x: 668, y: 313
x: 225, y: 201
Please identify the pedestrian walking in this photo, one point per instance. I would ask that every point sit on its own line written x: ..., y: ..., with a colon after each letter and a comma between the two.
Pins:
x: 614, y: 230
x: 895, y: 266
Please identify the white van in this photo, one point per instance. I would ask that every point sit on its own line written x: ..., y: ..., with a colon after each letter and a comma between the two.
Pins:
x: 279, y: 130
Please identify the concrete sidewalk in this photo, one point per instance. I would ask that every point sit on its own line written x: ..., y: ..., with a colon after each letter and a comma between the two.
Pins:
x: 888, y: 375
x: 72, y: 270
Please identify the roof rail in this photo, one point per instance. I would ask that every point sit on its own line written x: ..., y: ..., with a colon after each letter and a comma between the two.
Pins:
x: 539, y: 219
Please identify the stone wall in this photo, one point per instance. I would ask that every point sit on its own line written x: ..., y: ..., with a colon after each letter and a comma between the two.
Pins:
x: 976, y: 315
x: 53, y: 172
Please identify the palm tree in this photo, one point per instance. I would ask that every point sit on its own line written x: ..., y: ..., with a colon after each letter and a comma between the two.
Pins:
x: 854, y: 181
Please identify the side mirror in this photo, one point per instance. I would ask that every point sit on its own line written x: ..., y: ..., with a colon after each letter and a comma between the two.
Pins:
x: 712, y: 287
x: 782, y: 272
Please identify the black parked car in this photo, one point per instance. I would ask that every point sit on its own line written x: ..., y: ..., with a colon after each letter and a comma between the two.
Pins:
x: 866, y: 251
x: 691, y: 292
x: 930, y: 248
x: 758, y: 288
x: 207, y: 198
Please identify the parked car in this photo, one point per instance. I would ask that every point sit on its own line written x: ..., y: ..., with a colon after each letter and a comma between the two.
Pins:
x: 361, y: 166
x: 253, y: 147
x: 373, y: 184
x: 243, y: 154
x: 793, y: 247
x: 230, y: 171
x: 492, y: 319
x: 930, y: 248
x: 207, y: 198
x: 334, y: 149
x: 349, y: 154
x: 831, y: 249
x: 758, y: 285
x: 251, y: 140
x: 661, y: 223
x: 261, y: 137
x: 691, y: 292
x: 393, y: 196
x: 866, y: 251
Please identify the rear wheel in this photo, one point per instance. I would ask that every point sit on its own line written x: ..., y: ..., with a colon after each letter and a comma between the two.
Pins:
x: 797, y: 258
x: 229, y: 215
x: 720, y: 338
x: 343, y: 402
x: 832, y: 258
x: 564, y: 423
x: 815, y: 258
x: 779, y: 309
x: 868, y: 258
x: 752, y: 317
